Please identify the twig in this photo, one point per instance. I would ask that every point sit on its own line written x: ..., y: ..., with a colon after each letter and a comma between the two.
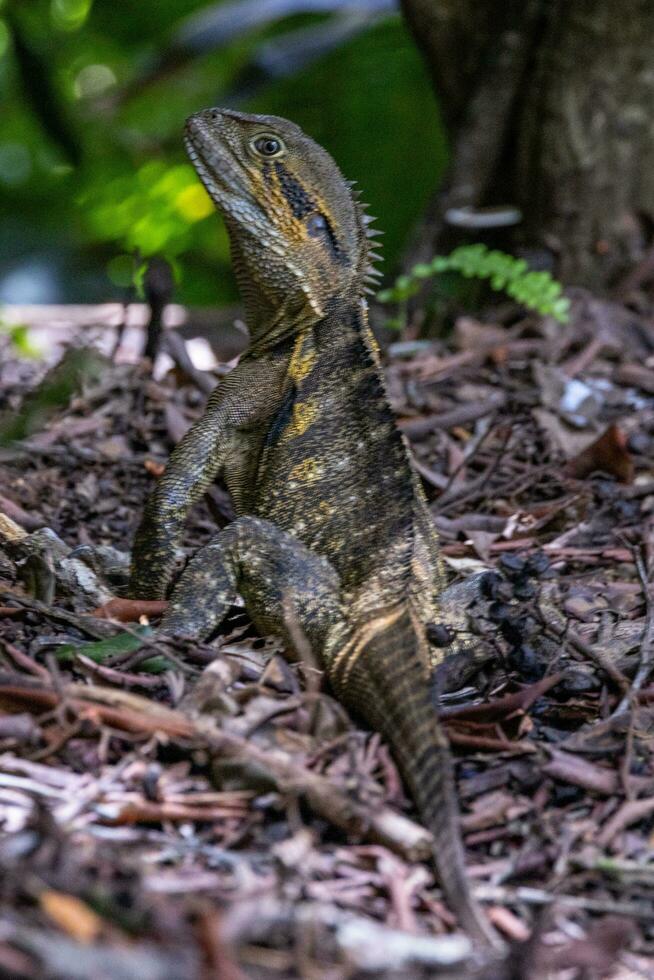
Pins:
x: 646, y: 664
x: 537, y: 896
x: 570, y: 635
x: 158, y: 284
x: 25, y: 661
x: 618, y: 869
x: 369, y: 946
x: 97, y: 629
x: 112, y: 676
x: 462, y: 415
x: 176, y: 347
x: 447, y: 501
x: 483, y: 743
x: 647, y: 643
x: 575, y: 365
x: 571, y: 769
x: 630, y: 812
x: 470, y: 452
x: 504, y: 707
x: 129, y: 712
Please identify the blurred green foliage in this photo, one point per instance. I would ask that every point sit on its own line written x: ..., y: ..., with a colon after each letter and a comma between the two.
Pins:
x: 21, y: 339
x: 93, y: 176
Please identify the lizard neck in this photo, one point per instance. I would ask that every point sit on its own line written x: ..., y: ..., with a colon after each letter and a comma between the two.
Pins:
x: 273, y: 314
x: 269, y: 326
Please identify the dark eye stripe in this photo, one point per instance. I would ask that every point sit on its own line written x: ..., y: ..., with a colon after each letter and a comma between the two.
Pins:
x: 327, y: 232
x: 299, y: 201
x: 282, y: 419
x: 302, y: 204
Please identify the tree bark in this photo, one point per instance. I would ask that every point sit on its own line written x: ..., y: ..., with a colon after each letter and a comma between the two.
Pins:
x: 575, y: 151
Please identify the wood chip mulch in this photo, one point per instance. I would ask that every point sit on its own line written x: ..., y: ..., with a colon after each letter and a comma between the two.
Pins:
x: 272, y: 839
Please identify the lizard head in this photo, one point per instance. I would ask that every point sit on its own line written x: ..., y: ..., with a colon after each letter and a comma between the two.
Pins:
x: 299, y: 237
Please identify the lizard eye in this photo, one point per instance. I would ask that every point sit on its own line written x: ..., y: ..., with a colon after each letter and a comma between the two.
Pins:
x: 268, y: 146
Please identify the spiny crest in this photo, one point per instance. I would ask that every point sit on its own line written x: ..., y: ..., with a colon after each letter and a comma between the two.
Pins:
x: 370, y: 243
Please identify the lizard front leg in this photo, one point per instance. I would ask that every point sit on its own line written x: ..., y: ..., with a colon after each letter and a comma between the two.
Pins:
x: 283, y: 584
x: 245, y: 399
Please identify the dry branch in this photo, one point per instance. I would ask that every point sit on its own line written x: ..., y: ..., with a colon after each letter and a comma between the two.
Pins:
x: 131, y: 713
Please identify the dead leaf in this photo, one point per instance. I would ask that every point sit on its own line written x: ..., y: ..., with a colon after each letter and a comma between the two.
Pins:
x: 130, y: 610
x: 471, y: 334
x: 72, y: 915
x: 153, y: 467
x: 481, y: 541
x: 607, y: 454
x: 570, y: 441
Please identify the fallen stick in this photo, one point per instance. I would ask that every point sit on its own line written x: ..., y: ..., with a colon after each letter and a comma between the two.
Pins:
x: 137, y: 715
x: 539, y: 896
x: 461, y: 415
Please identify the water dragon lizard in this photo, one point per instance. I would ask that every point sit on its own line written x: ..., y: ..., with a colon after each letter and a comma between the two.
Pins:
x: 330, y: 514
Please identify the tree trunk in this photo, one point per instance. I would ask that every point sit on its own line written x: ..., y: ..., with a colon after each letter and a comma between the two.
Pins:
x: 572, y: 118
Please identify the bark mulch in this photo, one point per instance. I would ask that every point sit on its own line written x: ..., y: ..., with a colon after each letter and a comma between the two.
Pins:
x: 271, y: 838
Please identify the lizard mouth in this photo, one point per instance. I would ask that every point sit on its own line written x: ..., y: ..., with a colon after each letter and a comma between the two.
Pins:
x: 212, y: 168
x: 214, y: 160
x: 223, y: 176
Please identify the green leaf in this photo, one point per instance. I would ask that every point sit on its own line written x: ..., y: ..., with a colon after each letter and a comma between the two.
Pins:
x: 121, y: 643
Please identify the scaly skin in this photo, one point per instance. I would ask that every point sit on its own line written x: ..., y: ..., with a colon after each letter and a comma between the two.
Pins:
x: 333, y: 535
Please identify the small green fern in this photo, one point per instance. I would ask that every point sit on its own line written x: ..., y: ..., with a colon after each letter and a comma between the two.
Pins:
x: 536, y: 290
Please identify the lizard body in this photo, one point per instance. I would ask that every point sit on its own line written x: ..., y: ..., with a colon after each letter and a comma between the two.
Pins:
x: 331, y: 519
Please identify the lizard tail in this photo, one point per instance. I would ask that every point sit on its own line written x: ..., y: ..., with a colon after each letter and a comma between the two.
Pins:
x: 383, y: 680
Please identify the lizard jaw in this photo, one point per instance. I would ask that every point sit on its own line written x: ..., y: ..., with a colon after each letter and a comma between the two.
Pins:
x: 218, y: 174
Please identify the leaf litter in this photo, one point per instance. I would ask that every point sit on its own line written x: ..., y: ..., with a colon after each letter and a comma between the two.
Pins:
x: 208, y: 810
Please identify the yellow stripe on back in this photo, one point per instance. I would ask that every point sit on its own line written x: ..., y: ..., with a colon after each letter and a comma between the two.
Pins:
x: 301, y: 363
